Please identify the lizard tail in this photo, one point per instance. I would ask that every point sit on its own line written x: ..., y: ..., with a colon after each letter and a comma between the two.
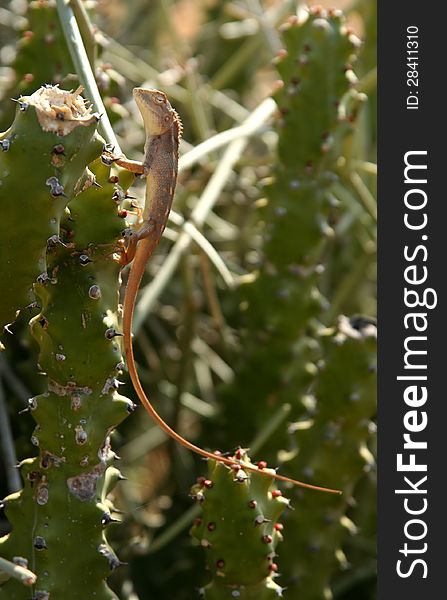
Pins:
x: 129, y: 304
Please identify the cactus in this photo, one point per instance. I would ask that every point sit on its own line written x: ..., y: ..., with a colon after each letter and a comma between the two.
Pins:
x: 331, y: 445
x: 58, y: 519
x: 44, y: 156
x: 283, y: 344
x: 42, y: 55
x: 283, y: 301
x: 361, y: 549
x: 239, y: 530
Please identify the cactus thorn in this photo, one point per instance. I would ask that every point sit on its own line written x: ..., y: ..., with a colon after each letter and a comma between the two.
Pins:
x: 111, y: 333
x: 260, y: 520
x: 39, y: 543
x: 23, y: 106
x: 59, y: 149
x: 54, y: 240
x: 107, y: 518
x: 94, y: 292
x: 56, y: 188
x: 84, y: 259
x: 5, y: 144
x: 241, y: 477
x: 7, y: 328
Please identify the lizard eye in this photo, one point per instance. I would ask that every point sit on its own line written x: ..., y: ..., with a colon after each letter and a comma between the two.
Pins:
x: 159, y: 99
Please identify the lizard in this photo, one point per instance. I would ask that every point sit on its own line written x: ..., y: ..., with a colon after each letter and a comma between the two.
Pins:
x: 163, y: 129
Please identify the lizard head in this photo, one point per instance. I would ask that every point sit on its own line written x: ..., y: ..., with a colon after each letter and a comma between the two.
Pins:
x: 158, y: 115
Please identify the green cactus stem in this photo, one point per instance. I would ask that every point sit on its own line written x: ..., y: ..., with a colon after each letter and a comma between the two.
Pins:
x: 42, y: 56
x: 331, y: 445
x: 239, y: 530
x: 327, y: 379
x: 60, y: 517
x: 282, y: 303
x: 42, y: 165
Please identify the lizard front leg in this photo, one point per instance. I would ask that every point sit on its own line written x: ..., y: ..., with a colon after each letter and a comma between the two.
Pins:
x: 138, y: 168
x: 134, y: 166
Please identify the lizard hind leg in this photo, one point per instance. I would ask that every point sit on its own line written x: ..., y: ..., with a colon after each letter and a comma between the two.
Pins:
x: 129, y: 252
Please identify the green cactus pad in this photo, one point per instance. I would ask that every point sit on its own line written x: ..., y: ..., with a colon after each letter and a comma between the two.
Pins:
x: 45, y: 152
x: 60, y: 517
x: 281, y: 304
x: 330, y: 447
x: 316, y: 69
x: 42, y: 56
x: 239, y: 529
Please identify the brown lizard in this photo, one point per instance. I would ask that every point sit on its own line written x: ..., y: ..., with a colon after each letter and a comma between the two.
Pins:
x: 160, y: 165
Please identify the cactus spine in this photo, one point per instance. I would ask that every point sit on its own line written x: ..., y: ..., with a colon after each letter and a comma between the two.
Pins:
x: 58, y: 519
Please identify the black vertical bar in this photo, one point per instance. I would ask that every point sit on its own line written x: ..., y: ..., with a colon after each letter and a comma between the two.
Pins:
x: 412, y: 123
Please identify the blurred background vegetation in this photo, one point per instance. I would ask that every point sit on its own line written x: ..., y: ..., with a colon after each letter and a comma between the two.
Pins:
x: 197, y: 324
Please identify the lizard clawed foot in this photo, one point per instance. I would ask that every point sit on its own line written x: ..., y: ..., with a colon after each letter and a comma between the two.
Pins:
x: 130, y: 240
x: 108, y: 157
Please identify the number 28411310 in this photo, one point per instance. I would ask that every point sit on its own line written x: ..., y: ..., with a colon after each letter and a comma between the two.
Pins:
x: 412, y: 62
